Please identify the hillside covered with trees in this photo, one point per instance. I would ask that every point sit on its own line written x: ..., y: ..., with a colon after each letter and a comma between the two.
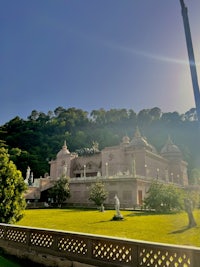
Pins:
x: 36, y: 140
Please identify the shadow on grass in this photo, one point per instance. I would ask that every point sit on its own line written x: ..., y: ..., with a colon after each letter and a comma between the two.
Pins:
x: 111, y: 220
x: 107, y: 221
x: 148, y: 213
x: 76, y: 210
x: 182, y: 230
x: 140, y: 213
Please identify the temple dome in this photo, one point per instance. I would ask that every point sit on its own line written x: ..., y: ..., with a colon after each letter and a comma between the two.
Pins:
x: 170, y: 150
x: 140, y: 142
x: 63, y: 152
x: 125, y: 140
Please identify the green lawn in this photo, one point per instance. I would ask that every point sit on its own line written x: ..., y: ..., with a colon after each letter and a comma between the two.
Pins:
x: 136, y: 225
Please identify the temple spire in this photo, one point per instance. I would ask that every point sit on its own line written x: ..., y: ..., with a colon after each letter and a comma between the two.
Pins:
x: 137, y: 132
x: 65, y: 144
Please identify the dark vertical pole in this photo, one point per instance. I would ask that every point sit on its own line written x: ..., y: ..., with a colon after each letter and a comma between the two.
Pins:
x: 191, y: 59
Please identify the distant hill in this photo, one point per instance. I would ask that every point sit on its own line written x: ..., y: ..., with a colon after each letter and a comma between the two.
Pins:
x: 36, y: 140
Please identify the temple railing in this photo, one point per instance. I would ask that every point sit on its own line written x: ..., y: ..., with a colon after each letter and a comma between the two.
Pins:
x: 98, y: 250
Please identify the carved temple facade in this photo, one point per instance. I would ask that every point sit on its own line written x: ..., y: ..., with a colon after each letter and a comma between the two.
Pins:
x: 126, y: 170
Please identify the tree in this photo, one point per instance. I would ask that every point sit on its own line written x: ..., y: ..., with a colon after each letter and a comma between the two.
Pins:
x: 33, y: 136
x: 164, y: 198
x: 144, y: 118
x: 195, y: 176
x: 14, y: 153
x: 60, y: 191
x: 189, y: 209
x: 191, y: 115
x: 98, y: 194
x: 34, y: 115
x: 155, y: 113
x: 12, y: 188
x: 191, y: 201
x: 99, y: 116
x: 2, y: 143
x: 172, y: 117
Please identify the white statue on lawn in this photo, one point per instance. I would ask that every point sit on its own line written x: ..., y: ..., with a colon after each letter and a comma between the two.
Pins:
x: 117, y: 205
x: 28, y: 173
x: 118, y: 215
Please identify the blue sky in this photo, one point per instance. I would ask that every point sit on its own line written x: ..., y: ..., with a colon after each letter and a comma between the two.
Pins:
x: 93, y: 54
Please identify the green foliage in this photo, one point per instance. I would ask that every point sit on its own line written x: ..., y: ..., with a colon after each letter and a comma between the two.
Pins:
x: 193, y: 194
x: 41, y: 136
x: 85, y: 151
x: 195, y: 176
x: 98, y: 194
x: 60, y: 191
x: 2, y: 143
x: 164, y: 198
x: 12, y: 187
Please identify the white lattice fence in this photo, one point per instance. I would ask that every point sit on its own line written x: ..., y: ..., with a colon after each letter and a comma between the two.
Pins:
x: 99, y: 250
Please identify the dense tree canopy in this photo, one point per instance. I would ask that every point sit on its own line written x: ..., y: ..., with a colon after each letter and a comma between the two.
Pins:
x: 12, y: 187
x: 60, y: 191
x: 98, y: 193
x: 164, y: 198
x: 36, y: 140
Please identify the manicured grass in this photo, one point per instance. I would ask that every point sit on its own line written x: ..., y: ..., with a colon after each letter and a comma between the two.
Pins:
x: 170, y: 228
